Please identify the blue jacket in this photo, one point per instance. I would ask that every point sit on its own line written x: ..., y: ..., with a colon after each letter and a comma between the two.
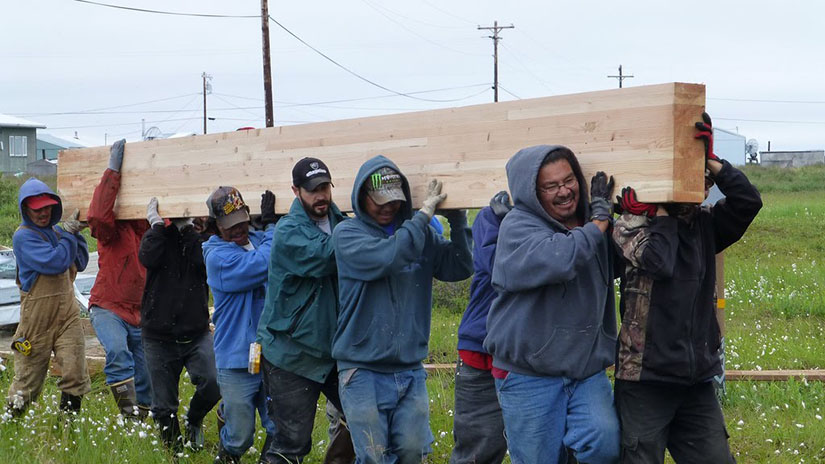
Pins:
x: 385, y: 282
x: 237, y: 278
x: 45, y: 250
x: 473, y: 327
x: 301, y: 312
x: 555, y: 314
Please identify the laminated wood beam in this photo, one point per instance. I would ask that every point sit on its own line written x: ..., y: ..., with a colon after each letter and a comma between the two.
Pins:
x: 643, y: 136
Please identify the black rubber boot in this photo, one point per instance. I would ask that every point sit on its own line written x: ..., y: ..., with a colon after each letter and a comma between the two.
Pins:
x: 169, y: 429
x: 224, y: 457
x: 267, y: 444
x: 126, y: 398
x: 70, y: 403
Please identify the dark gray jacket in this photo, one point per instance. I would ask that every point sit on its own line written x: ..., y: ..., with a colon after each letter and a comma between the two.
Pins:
x: 555, y: 314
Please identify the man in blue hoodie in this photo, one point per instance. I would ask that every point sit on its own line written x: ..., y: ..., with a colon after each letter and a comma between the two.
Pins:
x: 387, y: 257
x: 237, y: 267
x: 478, y: 428
x: 552, y: 329
x: 48, y: 259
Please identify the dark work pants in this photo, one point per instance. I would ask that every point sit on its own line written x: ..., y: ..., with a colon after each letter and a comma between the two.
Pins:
x: 478, y: 427
x: 165, y: 361
x: 687, y: 420
x: 292, y: 402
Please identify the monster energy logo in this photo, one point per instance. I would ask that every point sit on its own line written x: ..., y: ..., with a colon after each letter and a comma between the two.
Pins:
x: 376, y: 180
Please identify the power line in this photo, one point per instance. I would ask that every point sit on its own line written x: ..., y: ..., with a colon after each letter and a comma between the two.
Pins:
x: 170, y: 13
x: 408, y: 18
x: 91, y: 111
x: 496, y: 29
x: 524, y: 66
x: 769, y: 101
x: 431, y: 5
x: 770, y: 121
x: 511, y: 93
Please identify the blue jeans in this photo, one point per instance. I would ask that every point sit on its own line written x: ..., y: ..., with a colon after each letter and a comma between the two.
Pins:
x: 543, y: 415
x: 124, y: 352
x: 388, y: 415
x: 242, y: 394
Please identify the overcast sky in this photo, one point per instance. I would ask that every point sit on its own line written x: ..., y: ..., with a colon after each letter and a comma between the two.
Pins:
x: 762, y: 61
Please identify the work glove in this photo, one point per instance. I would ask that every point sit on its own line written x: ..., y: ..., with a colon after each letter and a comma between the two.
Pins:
x: 72, y: 225
x: 706, y: 134
x: 152, y: 212
x: 629, y: 204
x: 116, y: 155
x: 601, y: 191
x: 434, y: 198
x: 268, y: 208
x: 182, y: 223
x: 500, y: 204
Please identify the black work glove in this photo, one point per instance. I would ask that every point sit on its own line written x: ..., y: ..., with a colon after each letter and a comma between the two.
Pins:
x: 268, y: 208
x: 601, y: 191
x: 706, y: 134
x: 500, y: 204
x: 116, y: 155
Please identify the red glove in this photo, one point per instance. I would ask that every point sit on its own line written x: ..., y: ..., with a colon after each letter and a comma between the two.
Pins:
x: 706, y: 134
x: 631, y: 205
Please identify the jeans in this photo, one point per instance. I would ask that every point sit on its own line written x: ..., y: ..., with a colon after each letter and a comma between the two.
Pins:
x: 293, y: 402
x: 687, y: 420
x: 545, y: 415
x: 124, y: 352
x: 388, y: 415
x: 243, y: 393
x: 166, y: 360
x: 478, y: 428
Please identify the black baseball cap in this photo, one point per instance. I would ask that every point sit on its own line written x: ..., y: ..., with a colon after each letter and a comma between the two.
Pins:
x: 309, y: 173
x: 227, y: 207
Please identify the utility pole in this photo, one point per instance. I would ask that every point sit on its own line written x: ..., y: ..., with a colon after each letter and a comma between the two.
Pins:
x: 495, y: 28
x: 621, y: 76
x: 206, y: 87
x: 270, y: 117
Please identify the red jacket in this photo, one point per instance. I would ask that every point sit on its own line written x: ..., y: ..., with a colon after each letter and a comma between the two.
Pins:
x: 120, y: 280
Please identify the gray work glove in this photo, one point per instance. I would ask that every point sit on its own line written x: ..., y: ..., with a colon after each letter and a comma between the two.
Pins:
x: 601, y: 194
x: 152, y: 212
x: 72, y: 225
x: 500, y: 204
x: 116, y: 155
x: 434, y: 198
x: 182, y: 223
x: 268, y: 208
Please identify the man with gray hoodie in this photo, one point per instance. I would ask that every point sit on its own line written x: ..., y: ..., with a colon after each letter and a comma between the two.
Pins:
x: 552, y: 329
x: 387, y: 258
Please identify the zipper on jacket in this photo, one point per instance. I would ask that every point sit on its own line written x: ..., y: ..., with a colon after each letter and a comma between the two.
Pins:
x: 300, y: 312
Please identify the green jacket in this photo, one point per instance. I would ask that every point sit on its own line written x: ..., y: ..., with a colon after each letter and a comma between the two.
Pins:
x: 301, y: 311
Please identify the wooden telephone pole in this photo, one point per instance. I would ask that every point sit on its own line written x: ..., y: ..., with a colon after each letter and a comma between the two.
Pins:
x: 495, y: 28
x: 270, y: 117
x: 621, y: 77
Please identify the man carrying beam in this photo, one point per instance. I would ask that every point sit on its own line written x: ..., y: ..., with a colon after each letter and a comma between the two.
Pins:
x: 387, y: 257
x: 552, y: 329
x: 669, y: 342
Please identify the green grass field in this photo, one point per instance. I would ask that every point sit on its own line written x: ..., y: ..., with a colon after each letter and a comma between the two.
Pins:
x: 775, y: 277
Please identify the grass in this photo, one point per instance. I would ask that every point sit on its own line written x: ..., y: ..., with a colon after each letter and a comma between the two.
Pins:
x: 775, y: 277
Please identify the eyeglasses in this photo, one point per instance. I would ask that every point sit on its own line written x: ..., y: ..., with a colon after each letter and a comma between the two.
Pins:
x: 553, y: 189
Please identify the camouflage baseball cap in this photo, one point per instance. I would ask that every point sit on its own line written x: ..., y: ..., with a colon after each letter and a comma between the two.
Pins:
x: 226, y: 205
x: 384, y: 186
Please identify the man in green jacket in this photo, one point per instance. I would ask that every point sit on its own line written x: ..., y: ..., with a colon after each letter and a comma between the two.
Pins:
x: 300, y: 319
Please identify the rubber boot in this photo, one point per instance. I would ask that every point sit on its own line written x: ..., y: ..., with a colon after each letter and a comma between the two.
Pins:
x: 267, y: 444
x: 224, y: 457
x: 143, y: 412
x: 169, y: 429
x: 194, y: 436
x: 126, y: 398
x: 70, y: 403
x: 340, y: 449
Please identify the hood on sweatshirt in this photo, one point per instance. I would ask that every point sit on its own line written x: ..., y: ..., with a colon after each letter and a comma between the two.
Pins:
x: 359, y: 191
x: 32, y: 188
x: 522, y: 176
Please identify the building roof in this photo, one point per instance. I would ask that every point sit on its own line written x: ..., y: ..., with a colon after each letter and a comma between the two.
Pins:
x: 60, y: 142
x: 13, y: 121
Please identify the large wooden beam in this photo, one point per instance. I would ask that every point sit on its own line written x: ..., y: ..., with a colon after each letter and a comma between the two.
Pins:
x: 643, y: 136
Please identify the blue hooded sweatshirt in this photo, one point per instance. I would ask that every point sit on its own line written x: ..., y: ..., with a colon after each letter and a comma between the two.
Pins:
x: 555, y: 314
x: 45, y: 250
x: 385, y: 281
x: 473, y: 327
x: 237, y: 278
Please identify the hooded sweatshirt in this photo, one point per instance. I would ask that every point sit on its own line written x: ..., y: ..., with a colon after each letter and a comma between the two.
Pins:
x: 385, y: 281
x: 555, y: 314
x: 238, y: 280
x: 45, y: 250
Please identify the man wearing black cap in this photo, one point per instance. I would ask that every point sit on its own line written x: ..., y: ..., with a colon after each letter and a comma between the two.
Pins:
x: 237, y: 262
x: 300, y: 318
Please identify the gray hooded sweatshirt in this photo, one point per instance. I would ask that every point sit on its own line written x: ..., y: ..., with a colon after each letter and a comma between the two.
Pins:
x: 555, y: 314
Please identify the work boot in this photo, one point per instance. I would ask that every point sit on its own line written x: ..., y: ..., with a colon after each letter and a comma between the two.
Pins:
x: 126, y: 398
x: 267, y: 444
x: 340, y: 450
x: 224, y: 457
x: 143, y: 412
x: 194, y: 436
x: 70, y: 403
x: 169, y: 429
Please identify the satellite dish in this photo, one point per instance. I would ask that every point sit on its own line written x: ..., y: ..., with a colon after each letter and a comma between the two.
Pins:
x: 752, y: 151
x: 153, y: 133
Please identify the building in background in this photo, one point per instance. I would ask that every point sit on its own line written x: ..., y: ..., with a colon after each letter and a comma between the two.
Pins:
x: 792, y: 159
x: 18, y: 143
x: 49, y: 145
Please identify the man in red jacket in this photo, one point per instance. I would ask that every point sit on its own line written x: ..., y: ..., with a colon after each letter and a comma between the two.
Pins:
x: 117, y: 292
